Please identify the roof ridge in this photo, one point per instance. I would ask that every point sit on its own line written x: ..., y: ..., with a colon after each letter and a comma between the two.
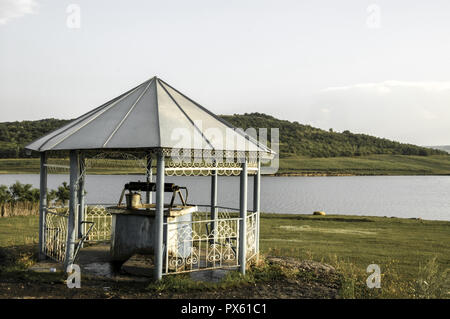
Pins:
x: 157, y: 111
x: 129, y: 111
x: 86, y: 115
x: 185, y: 114
x: 240, y: 132
x: 90, y: 120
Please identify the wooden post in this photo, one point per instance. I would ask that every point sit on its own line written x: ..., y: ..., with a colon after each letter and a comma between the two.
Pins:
x: 243, y: 221
x: 72, y: 220
x: 42, y: 205
x: 159, y: 216
x: 257, y: 201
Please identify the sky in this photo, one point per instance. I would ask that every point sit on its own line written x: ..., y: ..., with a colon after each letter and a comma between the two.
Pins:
x: 375, y: 67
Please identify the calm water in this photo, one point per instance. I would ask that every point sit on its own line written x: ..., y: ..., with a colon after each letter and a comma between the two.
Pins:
x: 427, y: 197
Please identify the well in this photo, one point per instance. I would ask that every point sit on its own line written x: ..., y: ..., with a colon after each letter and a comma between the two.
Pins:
x: 166, y: 133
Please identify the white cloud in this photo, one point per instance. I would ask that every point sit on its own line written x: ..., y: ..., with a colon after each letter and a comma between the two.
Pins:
x: 10, y: 9
x: 415, y: 112
x: 387, y: 86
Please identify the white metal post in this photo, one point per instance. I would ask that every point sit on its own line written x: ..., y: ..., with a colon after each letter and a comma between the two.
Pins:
x: 159, y: 216
x: 257, y: 201
x: 243, y: 217
x: 213, y: 200
x: 81, y: 194
x: 149, y: 177
x: 72, y: 220
x: 42, y: 205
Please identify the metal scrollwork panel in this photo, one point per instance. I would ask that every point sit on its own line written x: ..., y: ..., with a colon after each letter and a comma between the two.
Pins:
x: 197, y: 245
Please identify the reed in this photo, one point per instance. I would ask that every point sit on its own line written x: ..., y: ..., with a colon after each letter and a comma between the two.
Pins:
x: 19, y: 209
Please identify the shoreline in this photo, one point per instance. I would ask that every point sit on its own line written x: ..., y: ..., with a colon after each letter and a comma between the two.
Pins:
x: 345, y: 216
x: 371, y: 165
x: 312, y: 216
x: 346, y: 174
x: 265, y: 175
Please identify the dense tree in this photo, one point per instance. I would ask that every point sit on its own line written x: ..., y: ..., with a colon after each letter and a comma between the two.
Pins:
x: 62, y: 194
x: 15, y: 135
x: 305, y: 140
x: 19, y: 192
x: 23, y: 193
x: 5, y: 195
x: 295, y: 138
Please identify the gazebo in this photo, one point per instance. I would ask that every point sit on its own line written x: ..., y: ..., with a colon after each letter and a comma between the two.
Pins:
x: 156, y: 122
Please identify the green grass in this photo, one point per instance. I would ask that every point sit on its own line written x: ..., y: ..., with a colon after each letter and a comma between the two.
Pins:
x: 414, y: 255
x: 258, y: 272
x: 19, y: 166
x: 361, y: 165
x: 184, y: 283
x: 399, y: 246
x: 368, y: 165
x: 361, y: 240
x: 19, y: 230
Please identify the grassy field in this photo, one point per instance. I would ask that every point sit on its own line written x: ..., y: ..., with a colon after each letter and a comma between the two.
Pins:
x: 410, y: 252
x: 368, y: 165
x: 18, y: 230
x: 362, y: 165
x: 19, y: 166
x: 359, y: 240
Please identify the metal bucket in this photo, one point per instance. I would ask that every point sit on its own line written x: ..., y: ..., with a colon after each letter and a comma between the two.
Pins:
x: 133, y: 200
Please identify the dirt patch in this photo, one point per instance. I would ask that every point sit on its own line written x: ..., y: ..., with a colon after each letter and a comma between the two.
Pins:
x: 311, y: 280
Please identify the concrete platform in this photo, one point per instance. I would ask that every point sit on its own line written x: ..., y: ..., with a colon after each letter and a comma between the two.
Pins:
x: 94, y: 260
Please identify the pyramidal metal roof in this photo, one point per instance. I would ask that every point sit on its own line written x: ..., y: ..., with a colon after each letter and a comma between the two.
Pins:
x: 151, y: 115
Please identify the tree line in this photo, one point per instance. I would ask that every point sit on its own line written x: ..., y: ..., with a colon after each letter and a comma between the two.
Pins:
x: 21, y: 193
x: 305, y: 140
x: 295, y: 138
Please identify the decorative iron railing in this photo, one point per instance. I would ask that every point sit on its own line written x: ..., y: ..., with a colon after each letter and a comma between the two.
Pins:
x: 252, y: 235
x: 56, y: 234
x: 201, y: 243
x: 96, y: 217
x: 102, y: 219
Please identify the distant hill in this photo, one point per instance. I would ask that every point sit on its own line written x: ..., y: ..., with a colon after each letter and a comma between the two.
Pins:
x: 445, y: 148
x: 15, y: 135
x: 305, y: 140
x: 295, y: 138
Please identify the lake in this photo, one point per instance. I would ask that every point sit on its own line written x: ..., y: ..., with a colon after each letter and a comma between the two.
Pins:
x: 427, y: 197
